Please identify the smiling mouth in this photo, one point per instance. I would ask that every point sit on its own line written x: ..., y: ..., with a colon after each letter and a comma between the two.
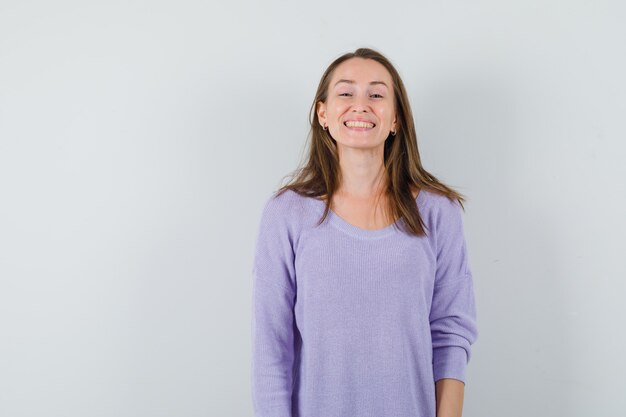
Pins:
x: 359, y: 124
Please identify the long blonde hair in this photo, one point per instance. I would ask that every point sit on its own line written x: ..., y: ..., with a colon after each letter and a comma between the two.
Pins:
x: 320, y: 176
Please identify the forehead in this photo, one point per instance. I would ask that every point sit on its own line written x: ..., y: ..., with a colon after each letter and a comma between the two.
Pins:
x: 361, y: 71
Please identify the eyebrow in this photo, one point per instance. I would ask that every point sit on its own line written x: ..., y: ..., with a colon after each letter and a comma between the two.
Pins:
x: 352, y: 82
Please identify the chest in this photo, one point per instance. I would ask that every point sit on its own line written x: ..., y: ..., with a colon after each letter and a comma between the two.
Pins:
x: 335, y: 270
x: 366, y: 214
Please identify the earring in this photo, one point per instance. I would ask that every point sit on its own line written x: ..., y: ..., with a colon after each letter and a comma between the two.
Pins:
x: 393, y: 133
x: 325, y: 127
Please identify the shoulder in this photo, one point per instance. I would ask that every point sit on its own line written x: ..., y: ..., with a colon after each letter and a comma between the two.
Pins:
x: 433, y: 201
x: 283, y: 204
x: 439, y: 211
x: 288, y: 211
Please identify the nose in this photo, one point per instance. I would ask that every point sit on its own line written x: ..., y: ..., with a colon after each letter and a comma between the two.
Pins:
x: 360, y: 104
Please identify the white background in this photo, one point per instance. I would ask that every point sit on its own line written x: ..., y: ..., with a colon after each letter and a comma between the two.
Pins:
x: 139, y: 140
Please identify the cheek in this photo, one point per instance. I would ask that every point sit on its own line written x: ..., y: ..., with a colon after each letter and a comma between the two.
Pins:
x: 336, y: 110
x: 386, y: 114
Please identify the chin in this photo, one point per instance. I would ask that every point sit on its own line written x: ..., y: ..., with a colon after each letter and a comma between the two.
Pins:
x: 360, y: 144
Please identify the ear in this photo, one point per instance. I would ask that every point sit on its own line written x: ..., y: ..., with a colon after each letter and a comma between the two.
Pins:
x: 321, y: 112
x: 394, y: 124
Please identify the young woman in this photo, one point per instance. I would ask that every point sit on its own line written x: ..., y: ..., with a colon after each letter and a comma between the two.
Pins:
x: 363, y: 299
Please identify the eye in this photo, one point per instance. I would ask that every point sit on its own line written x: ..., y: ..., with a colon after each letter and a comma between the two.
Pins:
x: 345, y: 94
x: 376, y: 95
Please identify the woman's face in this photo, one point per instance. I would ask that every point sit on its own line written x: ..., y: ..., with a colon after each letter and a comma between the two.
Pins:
x: 359, y: 110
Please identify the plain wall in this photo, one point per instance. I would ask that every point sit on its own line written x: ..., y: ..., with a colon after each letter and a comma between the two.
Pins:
x: 140, y: 139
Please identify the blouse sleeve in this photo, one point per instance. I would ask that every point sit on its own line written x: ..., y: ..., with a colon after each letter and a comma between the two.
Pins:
x: 272, y: 315
x: 453, y: 309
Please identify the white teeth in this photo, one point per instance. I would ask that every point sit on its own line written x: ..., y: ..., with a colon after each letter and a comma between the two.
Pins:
x: 354, y: 123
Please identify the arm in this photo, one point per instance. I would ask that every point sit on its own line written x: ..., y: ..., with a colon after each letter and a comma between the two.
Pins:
x: 450, y: 394
x: 453, y: 311
x: 272, y: 316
